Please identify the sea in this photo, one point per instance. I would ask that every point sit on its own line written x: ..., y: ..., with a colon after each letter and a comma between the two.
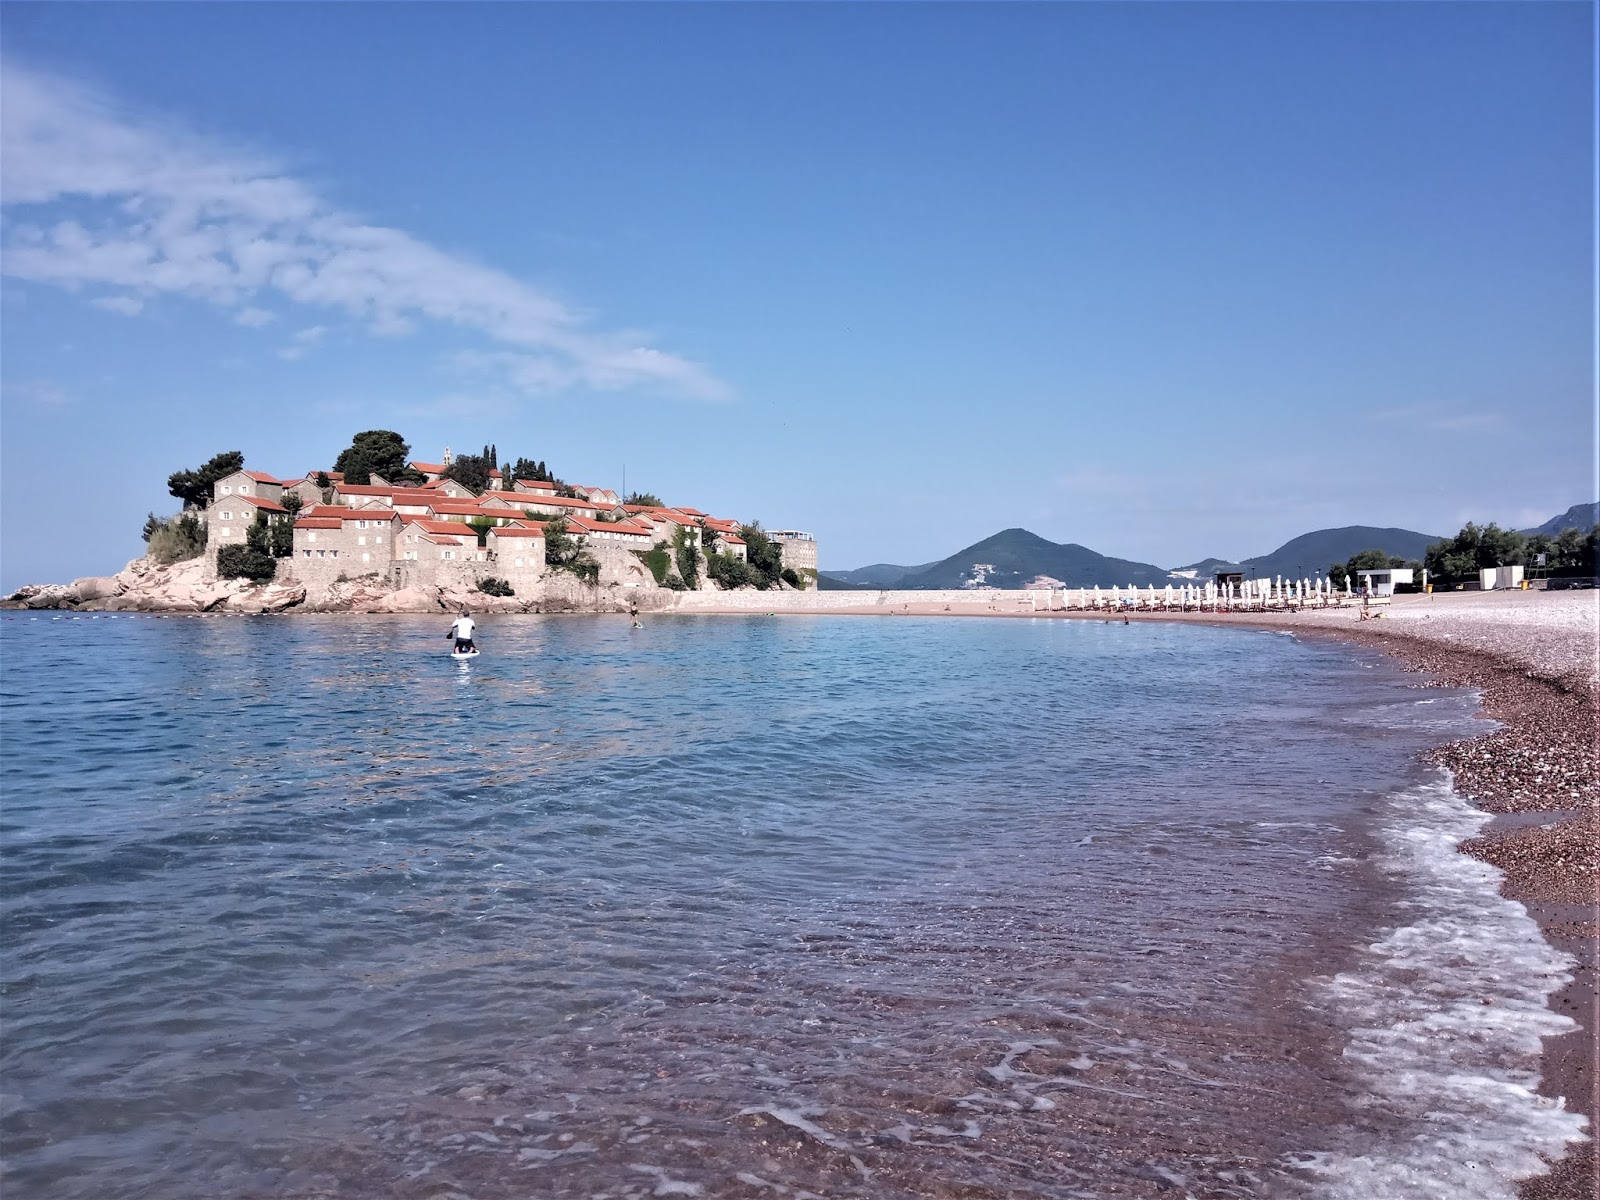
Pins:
x: 758, y: 906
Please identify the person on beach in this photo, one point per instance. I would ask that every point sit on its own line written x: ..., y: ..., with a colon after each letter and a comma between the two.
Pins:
x: 461, y: 629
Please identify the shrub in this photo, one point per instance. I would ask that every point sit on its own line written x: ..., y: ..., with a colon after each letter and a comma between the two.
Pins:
x: 790, y: 577
x: 242, y: 561
x: 176, y: 538
x: 729, y: 572
x: 658, y: 560
x: 491, y: 586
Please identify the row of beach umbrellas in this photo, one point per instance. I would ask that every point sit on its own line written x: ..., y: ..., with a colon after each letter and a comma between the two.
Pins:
x: 1277, y: 592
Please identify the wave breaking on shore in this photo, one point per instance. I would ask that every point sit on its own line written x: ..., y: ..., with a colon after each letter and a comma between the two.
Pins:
x: 1447, y: 1014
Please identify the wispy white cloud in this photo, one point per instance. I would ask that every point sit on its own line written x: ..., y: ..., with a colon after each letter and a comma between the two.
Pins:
x: 175, y: 214
x: 128, y: 306
x: 36, y: 393
x: 304, y: 339
x: 1440, y: 418
x: 254, y: 318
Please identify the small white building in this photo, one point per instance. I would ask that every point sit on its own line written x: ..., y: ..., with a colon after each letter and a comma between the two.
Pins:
x: 1492, y: 579
x: 1381, y: 581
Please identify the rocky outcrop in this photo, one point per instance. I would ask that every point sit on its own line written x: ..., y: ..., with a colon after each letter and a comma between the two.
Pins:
x: 190, y: 587
x: 147, y: 586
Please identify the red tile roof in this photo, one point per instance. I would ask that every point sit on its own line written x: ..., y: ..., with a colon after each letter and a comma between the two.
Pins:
x: 693, y: 512
x: 261, y: 478
x: 317, y: 523
x: 427, y: 468
x: 558, y: 501
x: 517, y: 532
x: 258, y: 502
x: 594, y: 526
x: 451, y: 528
x: 343, y: 512
x: 542, y: 485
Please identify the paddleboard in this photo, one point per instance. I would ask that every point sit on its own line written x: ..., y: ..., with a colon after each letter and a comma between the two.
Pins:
x: 462, y: 657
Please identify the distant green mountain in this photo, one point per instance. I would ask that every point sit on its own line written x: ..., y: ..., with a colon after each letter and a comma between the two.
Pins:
x: 878, y: 575
x: 1313, y: 553
x: 1579, y: 516
x: 1206, y: 568
x: 1015, y: 557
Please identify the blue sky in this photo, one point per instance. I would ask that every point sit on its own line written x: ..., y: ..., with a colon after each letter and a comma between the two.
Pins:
x: 1166, y: 280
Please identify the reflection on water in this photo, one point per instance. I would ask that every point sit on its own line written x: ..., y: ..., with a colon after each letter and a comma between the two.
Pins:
x: 742, y: 907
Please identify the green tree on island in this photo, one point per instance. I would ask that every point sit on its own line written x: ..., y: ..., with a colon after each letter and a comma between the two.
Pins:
x: 527, y: 468
x: 194, y: 487
x: 565, y: 552
x: 380, y: 452
x: 687, y: 556
x: 176, y: 538
x: 240, y: 560
x: 472, y: 470
x: 765, y: 555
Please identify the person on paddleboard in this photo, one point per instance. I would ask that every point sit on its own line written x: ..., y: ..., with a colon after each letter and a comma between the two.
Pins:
x: 461, y: 629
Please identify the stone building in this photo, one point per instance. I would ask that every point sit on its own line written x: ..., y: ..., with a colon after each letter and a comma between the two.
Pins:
x: 799, y: 551
x: 231, y: 515
x: 247, y: 483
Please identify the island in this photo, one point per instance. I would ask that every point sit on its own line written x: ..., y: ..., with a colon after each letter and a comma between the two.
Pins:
x: 381, y: 532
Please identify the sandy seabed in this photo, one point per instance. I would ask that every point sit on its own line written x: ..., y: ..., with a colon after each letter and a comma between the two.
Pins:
x: 1534, y: 657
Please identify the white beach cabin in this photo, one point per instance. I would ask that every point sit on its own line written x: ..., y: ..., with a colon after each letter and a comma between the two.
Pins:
x: 1380, y: 582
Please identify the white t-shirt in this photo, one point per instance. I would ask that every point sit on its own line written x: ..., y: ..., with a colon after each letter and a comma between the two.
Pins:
x: 463, y: 629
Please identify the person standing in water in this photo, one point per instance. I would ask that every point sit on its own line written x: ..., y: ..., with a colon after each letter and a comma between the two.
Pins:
x: 461, y: 629
x: 633, y: 611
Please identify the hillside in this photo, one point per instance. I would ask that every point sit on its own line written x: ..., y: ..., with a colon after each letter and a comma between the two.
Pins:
x: 1014, y: 557
x: 1206, y: 568
x: 1313, y: 553
x: 878, y: 575
x: 1579, y: 516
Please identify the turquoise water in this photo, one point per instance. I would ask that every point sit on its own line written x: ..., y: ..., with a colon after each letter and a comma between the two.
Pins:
x: 722, y: 906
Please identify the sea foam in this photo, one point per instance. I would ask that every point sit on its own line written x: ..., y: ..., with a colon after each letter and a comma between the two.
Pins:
x: 1447, y: 1014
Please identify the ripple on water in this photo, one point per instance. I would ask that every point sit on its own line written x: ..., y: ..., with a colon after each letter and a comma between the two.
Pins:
x: 711, y: 908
